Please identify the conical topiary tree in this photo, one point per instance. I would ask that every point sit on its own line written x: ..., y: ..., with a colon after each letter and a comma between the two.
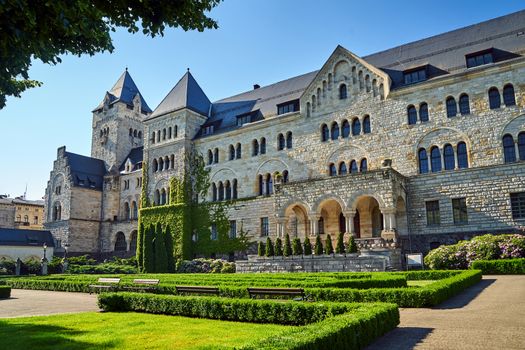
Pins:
x: 307, y: 246
x: 340, y: 245
x: 148, y: 254
x: 168, y: 242
x: 269, y: 247
x: 140, y: 249
x: 352, y: 246
x: 318, y: 249
x: 161, y: 258
x: 328, y: 247
x: 297, y: 248
x: 278, y: 250
x: 287, y: 250
x: 260, y: 249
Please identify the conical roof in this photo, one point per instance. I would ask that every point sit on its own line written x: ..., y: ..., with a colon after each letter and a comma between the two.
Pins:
x: 125, y: 91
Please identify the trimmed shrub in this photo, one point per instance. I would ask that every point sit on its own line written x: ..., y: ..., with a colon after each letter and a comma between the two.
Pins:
x: 105, y: 268
x: 318, y: 246
x: 340, y: 246
x: 260, y: 249
x: 307, y: 246
x: 287, y: 249
x: 148, y: 254
x: 205, y: 266
x: 168, y: 242
x: 278, y: 250
x: 140, y: 250
x: 31, y: 266
x: 500, y: 267
x: 297, y: 248
x: 5, y: 292
x: 81, y: 260
x: 7, y: 266
x: 161, y: 258
x: 352, y: 246
x: 269, y: 247
x: 328, y: 248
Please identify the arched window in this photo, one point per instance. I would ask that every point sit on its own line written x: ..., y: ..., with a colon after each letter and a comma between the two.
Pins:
x: 216, y: 155
x: 354, y: 75
x: 228, y: 190
x: 412, y: 115
x: 120, y: 242
x: 521, y: 145
x: 335, y: 131
x: 238, y: 150
x: 169, y: 132
x: 176, y: 131
x: 221, y: 191
x: 134, y: 210
x: 164, y: 134
x: 280, y: 142
x: 320, y: 226
x: 356, y: 127
x: 423, y: 161
x: 353, y: 167
x: 452, y: 109
x: 167, y: 163
x: 139, y: 135
x: 156, y: 197
x: 318, y: 96
x: 214, y: 192
x: 269, y: 184
x: 509, y: 150
x: 234, y: 189
x: 314, y: 103
x: 285, y: 176
x: 255, y: 148
x: 261, y: 185
x: 26, y: 218
x: 153, y: 137
x: 494, y: 98
x: 130, y: 132
x: 163, y: 197
x: 342, y: 168
x: 374, y: 88
x: 464, y: 104
x: 361, y: 82
x: 508, y: 95
x: 325, y: 134
x: 172, y: 161
x: 308, y: 109
x: 364, y: 165
x: 366, y: 124
x: 161, y: 164
x: 126, y: 211
x: 158, y: 135
x: 210, y: 157
x: 133, y: 242
x: 263, y: 146
x: 155, y: 166
x: 343, y: 92
x: 448, y: 155
x: 367, y: 83
x: 345, y: 128
x: 435, y: 159
x: 462, y: 155
x: 332, y: 171
x: 289, y: 140
x: 423, y: 112
x: 135, y: 133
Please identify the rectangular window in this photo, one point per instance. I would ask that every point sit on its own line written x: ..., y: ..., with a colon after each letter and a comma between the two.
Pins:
x: 264, y: 226
x: 233, y: 229
x: 459, y: 211
x: 35, y: 221
x: 433, y: 217
x: 415, y: 76
x: 214, y: 235
x: 207, y: 130
x: 287, y: 107
x: 479, y: 58
x: 243, y: 119
x: 517, y: 203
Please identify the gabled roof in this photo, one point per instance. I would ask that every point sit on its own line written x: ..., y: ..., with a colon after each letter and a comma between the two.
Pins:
x: 17, y: 237
x: 185, y: 94
x: 86, y: 171
x: 125, y: 91
x: 135, y: 156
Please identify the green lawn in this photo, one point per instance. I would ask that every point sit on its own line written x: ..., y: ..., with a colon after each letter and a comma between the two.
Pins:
x: 128, y: 331
x: 420, y: 283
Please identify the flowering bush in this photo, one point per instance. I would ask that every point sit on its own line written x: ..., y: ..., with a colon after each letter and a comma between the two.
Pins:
x: 205, y: 266
x: 487, y: 247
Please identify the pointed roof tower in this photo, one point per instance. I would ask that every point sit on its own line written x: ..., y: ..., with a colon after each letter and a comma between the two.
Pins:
x: 124, y: 91
x: 185, y: 94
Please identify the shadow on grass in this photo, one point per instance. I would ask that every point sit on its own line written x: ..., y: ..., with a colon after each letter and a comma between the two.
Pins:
x: 18, y: 336
x: 401, y: 338
x: 465, y: 297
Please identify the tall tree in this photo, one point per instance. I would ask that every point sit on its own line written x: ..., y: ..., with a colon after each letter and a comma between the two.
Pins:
x: 44, y: 30
x: 278, y: 251
x: 318, y: 249
x: 297, y: 248
x: 307, y: 246
x: 328, y: 247
x: 269, y: 247
x: 287, y: 250
x: 340, y: 245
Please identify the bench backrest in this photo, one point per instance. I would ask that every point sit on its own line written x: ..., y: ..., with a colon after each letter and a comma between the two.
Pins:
x: 196, y: 289
x: 144, y: 281
x: 276, y: 290
x: 108, y: 280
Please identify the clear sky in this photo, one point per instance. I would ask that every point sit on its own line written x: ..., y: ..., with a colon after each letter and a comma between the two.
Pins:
x: 257, y: 42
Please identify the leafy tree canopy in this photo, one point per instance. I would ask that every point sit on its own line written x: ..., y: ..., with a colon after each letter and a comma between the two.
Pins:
x: 45, y: 30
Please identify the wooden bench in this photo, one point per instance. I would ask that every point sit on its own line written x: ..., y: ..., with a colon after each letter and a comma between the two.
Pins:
x: 298, y: 293
x: 109, y: 284
x: 197, y: 290
x: 143, y: 285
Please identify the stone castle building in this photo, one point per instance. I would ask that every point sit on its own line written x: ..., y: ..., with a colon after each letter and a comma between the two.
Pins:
x: 412, y: 147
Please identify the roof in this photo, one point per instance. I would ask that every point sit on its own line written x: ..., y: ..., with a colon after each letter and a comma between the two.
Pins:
x: 125, y: 91
x: 185, y: 94
x: 86, y: 171
x: 135, y: 156
x: 17, y: 237
x: 28, y: 202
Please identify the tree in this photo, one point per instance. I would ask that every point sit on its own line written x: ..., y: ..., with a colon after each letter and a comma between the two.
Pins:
x: 161, y: 258
x: 260, y: 249
x: 340, y: 245
x: 307, y: 246
x: 328, y: 247
x: 148, y: 254
x: 45, y: 30
x: 140, y: 249
x: 287, y: 250
x: 352, y: 246
x: 318, y: 246
x: 297, y: 248
x: 278, y: 250
x: 269, y: 247
x: 168, y: 242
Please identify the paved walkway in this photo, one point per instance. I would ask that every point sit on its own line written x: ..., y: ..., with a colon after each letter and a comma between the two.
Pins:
x: 489, y: 315
x: 39, y: 302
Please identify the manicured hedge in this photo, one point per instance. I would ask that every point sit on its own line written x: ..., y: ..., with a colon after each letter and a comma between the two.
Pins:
x: 500, y: 267
x: 5, y: 292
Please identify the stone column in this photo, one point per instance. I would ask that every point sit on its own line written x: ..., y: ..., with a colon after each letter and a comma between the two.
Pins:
x: 349, y: 216
x: 456, y: 165
x: 314, y: 229
x: 517, y: 149
x: 442, y: 156
x: 281, y: 222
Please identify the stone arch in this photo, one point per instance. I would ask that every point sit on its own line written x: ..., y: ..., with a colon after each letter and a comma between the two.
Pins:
x: 316, y: 208
x: 401, y: 216
x: 513, y: 127
x: 356, y: 196
x: 330, y: 210
x: 347, y: 152
x: 442, y: 135
x: 292, y: 202
x: 271, y: 166
x: 223, y: 174
x: 133, y: 241
x: 119, y: 242
x: 341, y: 70
x: 368, y: 215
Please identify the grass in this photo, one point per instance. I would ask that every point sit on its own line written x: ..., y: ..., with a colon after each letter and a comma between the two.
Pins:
x: 128, y: 331
x: 420, y: 283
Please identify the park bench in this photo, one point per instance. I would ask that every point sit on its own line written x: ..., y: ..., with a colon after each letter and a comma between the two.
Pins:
x: 145, y: 285
x: 109, y: 284
x: 297, y: 293
x: 197, y: 290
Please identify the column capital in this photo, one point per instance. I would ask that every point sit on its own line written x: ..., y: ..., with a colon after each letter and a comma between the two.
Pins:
x: 349, y: 213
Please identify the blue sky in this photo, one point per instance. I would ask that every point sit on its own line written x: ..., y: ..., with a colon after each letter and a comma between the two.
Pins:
x: 257, y: 42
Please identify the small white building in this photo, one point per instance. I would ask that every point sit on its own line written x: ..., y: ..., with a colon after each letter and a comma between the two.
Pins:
x: 25, y: 244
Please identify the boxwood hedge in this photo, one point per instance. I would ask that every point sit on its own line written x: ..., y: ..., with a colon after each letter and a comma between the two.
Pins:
x: 500, y: 267
x: 5, y: 292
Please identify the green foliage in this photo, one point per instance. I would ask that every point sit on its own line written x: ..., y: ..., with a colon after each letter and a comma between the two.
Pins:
x: 328, y: 248
x: 48, y: 30
x: 81, y: 260
x: 297, y: 248
x: 278, y: 251
x: 260, y: 248
x: 352, y: 246
x: 31, y: 266
x: 340, y: 245
x: 168, y: 242
x: 161, y: 258
x: 287, y: 250
x: 149, y: 250
x: 140, y: 246
x: 104, y: 268
x: 144, y: 199
x: 205, y: 266
x: 269, y: 247
x: 7, y: 266
x: 55, y: 265
x: 307, y: 246
x: 500, y: 267
x: 318, y: 246
x: 5, y: 292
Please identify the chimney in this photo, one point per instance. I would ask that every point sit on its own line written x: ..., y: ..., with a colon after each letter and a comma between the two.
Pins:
x: 256, y: 86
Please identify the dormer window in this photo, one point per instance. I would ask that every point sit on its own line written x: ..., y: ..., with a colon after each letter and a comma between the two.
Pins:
x: 207, y: 130
x: 288, y: 107
x: 479, y: 58
x: 415, y: 75
x: 244, y: 119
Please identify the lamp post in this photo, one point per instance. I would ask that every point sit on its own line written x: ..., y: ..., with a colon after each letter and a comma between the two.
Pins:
x: 65, y: 264
x: 44, y: 261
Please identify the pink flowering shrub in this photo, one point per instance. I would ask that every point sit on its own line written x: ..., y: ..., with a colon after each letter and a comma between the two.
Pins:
x: 487, y: 247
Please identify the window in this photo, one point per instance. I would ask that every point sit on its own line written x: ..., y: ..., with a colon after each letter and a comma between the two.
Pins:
x: 207, y: 130
x: 412, y: 115
x: 261, y: 185
x: 343, y: 93
x: 234, y: 189
x: 285, y: 176
x: 464, y: 104
x: 332, y: 171
x: 435, y: 159
x: 169, y: 132
x: 517, y: 203
x: 233, y: 229
x: 521, y: 145
x: 134, y: 210
x: 280, y: 142
x: 324, y: 133
x: 423, y: 112
x: 210, y: 157
x: 508, y: 95
x: 26, y: 219
x: 509, y: 151
x: 423, y: 161
x: 35, y: 220
x: 342, y: 168
x: 415, y: 76
x: 462, y: 155
x: 320, y: 225
x: 231, y: 152
x: 345, y: 128
x: 216, y: 155
x: 356, y: 127
x: 448, y: 155
x: 255, y: 148
x: 289, y: 139
x: 494, y: 98
x: 264, y: 227
x: 353, y: 167
x: 433, y: 217
x: 58, y: 190
x: 452, y: 109
x: 366, y: 125
x: 243, y: 119
x: 479, y: 59
x: 335, y: 131
x: 163, y: 134
x: 227, y: 190
x: 269, y: 184
x: 364, y: 165
x: 220, y: 191
x: 238, y: 150
x: 288, y: 107
x: 213, y: 232
x: 120, y: 242
x: 263, y: 146
x: 459, y: 211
